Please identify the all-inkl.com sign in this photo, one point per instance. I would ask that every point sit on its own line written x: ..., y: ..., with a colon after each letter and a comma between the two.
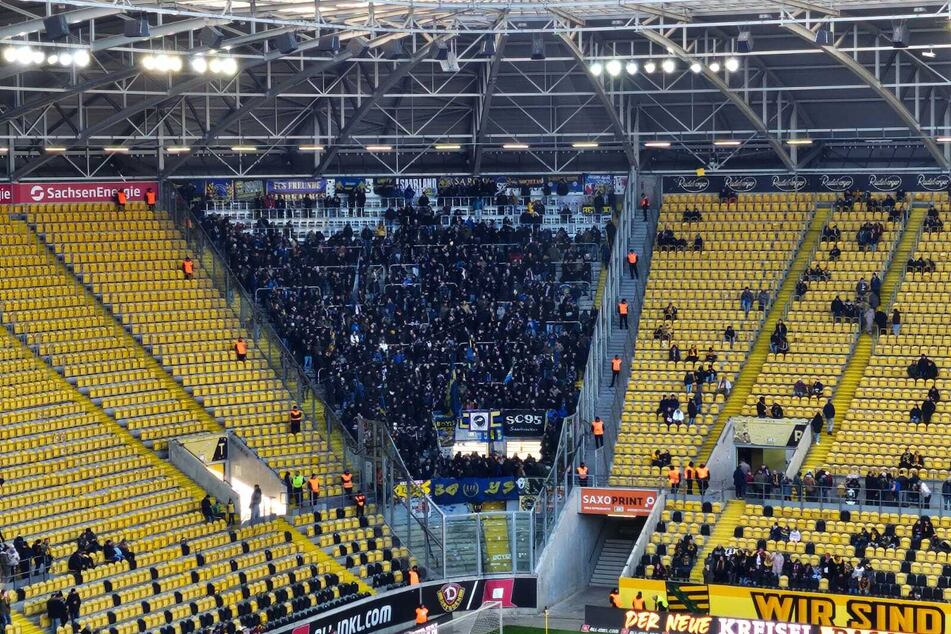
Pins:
x: 790, y: 183
x: 74, y: 192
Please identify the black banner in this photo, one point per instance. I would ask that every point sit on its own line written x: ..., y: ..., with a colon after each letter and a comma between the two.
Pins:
x: 831, y: 182
x: 393, y: 608
x: 523, y: 423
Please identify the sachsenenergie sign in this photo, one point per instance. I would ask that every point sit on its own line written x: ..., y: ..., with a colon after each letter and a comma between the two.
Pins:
x: 75, y: 192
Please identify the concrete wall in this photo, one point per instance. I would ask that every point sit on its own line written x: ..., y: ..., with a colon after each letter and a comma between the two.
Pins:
x: 799, y: 455
x: 243, y: 469
x: 189, y: 464
x: 566, y: 564
x: 645, y: 537
x: 723, y: 459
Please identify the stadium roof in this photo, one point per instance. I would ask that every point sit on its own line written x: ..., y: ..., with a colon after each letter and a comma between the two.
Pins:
x: 443, y: 86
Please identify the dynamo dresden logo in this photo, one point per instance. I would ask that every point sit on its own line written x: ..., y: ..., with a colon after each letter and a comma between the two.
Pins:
x: 450, y: 596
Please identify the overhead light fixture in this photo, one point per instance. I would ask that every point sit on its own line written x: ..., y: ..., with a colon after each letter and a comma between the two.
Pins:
x: 54, y: 149
x: 943, y: 139
x: 657, y: 144
x: 596, y: 68
x: 244, y: 148
x: 584, y: 145
x: 23, y: 55
x: 613, y: 67
x: 178, y: 149
x: 696, y: 67
x: 727, y: 143
x: 732, y: 64
x: 379, y: 148
x: 631, y: 68
x: 310, y: 148
x: 4, y: 150
x: 448, y: 146
x: 115, y: 149
x: 930, y: 54
x: 668, y: 65
x: 798, y: 141
x: 162, y: 63
x: 715, y: 66
x: 650, y: 67
x: 81, y: 58
x: 515, y: 146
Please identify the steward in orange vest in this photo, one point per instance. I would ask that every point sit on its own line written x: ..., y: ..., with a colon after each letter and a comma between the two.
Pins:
x: 582, y: 474
x: 632, y: 264
x: 241, y: 349
x: 188, y: 268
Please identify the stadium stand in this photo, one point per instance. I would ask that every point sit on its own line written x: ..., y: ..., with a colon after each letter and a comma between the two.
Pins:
x: 69, y: 468
x: 60, y: 320
x: 888, y: 554
x: 878, y: 428
x: 683, y: 530
x: 479, y: 312
x: 133, y: 263
x: 818, y: 345
x: 705, y: 288
x: 890, y: 548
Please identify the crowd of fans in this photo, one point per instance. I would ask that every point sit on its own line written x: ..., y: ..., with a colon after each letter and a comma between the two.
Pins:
x: 396, y: 325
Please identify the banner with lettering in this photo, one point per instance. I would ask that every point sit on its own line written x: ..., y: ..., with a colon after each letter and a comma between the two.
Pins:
x: 75, y: 192
x: 598, y: 183
x: 620, y: 621
x: 474, y: 490
x: 297, y: 186
x: 834, y: 182
x: 818, y: 613
x: 523, y: 423
x: 831, y: 610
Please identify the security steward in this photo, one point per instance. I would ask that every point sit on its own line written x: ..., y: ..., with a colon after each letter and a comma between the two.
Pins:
x: 673, y: 477
x: 295, y: 418
x: 690, y: 474
x: 582, y: 471
x: 597, y: 430
x: 346, y: 481
x: 422, y: 614
x: 639, y: 603
x: 188, y: 268
x: 632, y: 264
x: 615, y: 598
x: 361, y: 501
x: 622, y: 313
x: 414, y: 576
x: 241, y: 349
x: 313, y: 486
x: 150, y: 199
x: 121, y: 200
x: 703, y: 477
x: 615, y: 369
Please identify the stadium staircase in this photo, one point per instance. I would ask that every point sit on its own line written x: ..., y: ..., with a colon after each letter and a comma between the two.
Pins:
x: 640, y: 240
x: 729, y: 519
x: 855, y: 370
x: 611, y: 561
x: 743, y: 386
